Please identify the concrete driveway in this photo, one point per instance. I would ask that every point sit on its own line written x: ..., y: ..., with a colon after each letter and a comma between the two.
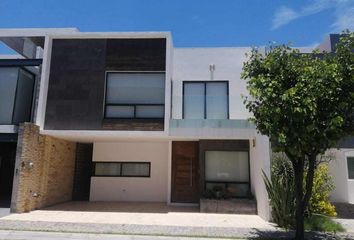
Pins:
x: 4, y: 212
x: 157, y: 214
x: 136, y: 219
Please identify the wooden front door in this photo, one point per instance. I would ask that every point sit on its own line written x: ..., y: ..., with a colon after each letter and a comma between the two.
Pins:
x: 185, y: 172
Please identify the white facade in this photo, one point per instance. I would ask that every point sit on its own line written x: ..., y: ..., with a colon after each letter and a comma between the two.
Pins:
x: 344, y: 187
x: 193, y: 64
x: 151, y: 189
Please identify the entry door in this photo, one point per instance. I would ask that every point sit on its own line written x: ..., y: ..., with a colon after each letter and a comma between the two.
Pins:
x: 185, y: 172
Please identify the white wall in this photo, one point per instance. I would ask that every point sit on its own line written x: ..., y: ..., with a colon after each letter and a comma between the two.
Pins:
x: 154, y: 189
x: 193, y: 64
x: 260, y: 160
x: 344, y: 187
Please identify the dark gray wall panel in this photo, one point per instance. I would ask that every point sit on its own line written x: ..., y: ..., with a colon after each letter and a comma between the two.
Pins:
x: 77, y: 79
x: 136, y: 54
x: 76, y: 84
x: 346, y: 143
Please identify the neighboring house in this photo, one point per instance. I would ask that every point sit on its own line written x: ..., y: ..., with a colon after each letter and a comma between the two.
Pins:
x: 342, y: 164
x: 128, y: 117
x: 18, y: 83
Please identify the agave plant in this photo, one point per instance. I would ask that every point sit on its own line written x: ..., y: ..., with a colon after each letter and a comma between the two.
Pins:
x: 280, y: 188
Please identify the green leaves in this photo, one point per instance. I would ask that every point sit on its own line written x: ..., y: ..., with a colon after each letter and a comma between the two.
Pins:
x: 302, y: 101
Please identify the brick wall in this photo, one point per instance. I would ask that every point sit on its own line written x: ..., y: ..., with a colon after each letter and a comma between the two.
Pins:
x: 44, y: 170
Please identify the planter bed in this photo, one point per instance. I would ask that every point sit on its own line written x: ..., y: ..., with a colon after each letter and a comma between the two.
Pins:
x: 236, y: 206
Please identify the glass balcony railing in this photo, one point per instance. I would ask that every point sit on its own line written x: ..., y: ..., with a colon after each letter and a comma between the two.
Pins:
x: 199, y: 111
x: 211, y: 123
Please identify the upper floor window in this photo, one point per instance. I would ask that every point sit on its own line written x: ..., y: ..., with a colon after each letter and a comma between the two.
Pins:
x: 350, y: 161
x: 135, y: 95
x: 16, y: 95
x: 205, y: 100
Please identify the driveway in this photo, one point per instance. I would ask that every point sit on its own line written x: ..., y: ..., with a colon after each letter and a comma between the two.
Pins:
x: 4, y: 212
x: 136, y: 219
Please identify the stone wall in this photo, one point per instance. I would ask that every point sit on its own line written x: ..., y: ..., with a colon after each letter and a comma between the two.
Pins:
x: 44, y: 170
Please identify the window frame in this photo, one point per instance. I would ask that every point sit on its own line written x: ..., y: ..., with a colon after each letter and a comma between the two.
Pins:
x: 205, y: 96
x: 229, y: 182
x: 134, y: 105
x: 121, y: 170
x: 347, y: 162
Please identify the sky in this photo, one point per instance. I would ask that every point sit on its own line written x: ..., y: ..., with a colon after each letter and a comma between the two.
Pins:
x: 193, y: 23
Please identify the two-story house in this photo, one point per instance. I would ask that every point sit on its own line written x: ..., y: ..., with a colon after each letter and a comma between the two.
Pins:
x: 127, y: 117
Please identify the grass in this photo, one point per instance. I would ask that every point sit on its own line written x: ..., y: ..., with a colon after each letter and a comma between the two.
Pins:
x: 322, y: 224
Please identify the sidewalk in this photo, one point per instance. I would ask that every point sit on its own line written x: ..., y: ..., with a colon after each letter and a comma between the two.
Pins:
x: 26, y: 235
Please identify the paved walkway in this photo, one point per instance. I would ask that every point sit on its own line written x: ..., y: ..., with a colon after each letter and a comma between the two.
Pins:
x: 348, y: 224
x: 4, y: 212
x: 141, y: 218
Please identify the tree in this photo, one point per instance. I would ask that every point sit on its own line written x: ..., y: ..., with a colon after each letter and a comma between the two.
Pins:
x: 304, y: 103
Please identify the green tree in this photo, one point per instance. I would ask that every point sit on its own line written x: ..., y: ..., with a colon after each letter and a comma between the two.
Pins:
x: 304, y: 103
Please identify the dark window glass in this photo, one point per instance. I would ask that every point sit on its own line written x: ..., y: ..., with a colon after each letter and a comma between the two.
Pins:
x: 350, y: 161
x: 16, y: 95
x: 122, y: 169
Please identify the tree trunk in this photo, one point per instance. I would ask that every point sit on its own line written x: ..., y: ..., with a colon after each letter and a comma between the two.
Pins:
x: 299, y: 177
x: 302, y: 199
x: 309, y: 179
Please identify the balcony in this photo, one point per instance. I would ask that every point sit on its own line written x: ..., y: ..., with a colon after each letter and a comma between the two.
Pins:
x: 215, y: 128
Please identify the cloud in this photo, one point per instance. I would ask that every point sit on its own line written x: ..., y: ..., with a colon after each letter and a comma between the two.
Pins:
x: 283, y: 16
x: 343, y: 14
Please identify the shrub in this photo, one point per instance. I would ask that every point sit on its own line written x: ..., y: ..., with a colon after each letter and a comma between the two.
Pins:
x: 322, y: 187
x: 281, y: 193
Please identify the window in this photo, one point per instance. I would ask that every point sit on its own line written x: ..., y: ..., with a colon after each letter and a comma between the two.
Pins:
x: 205, y: 100
x: 122, y: 169
x: 16, y: 92
x: 135, y: 95
x: 227, y: 171
x: 350, y: 161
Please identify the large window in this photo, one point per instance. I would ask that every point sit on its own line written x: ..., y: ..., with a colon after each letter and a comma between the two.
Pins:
x: 350, y: 161
x: 135, y: 95
x: 205, y: 100
x: 122, y: 169
x: 227, y: 172
x: 16, y: 93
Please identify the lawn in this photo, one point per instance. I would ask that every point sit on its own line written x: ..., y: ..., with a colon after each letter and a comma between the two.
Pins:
x: 322, y: 224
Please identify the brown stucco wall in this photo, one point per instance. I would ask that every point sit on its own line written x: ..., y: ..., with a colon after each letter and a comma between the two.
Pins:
x: 44, y: 170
